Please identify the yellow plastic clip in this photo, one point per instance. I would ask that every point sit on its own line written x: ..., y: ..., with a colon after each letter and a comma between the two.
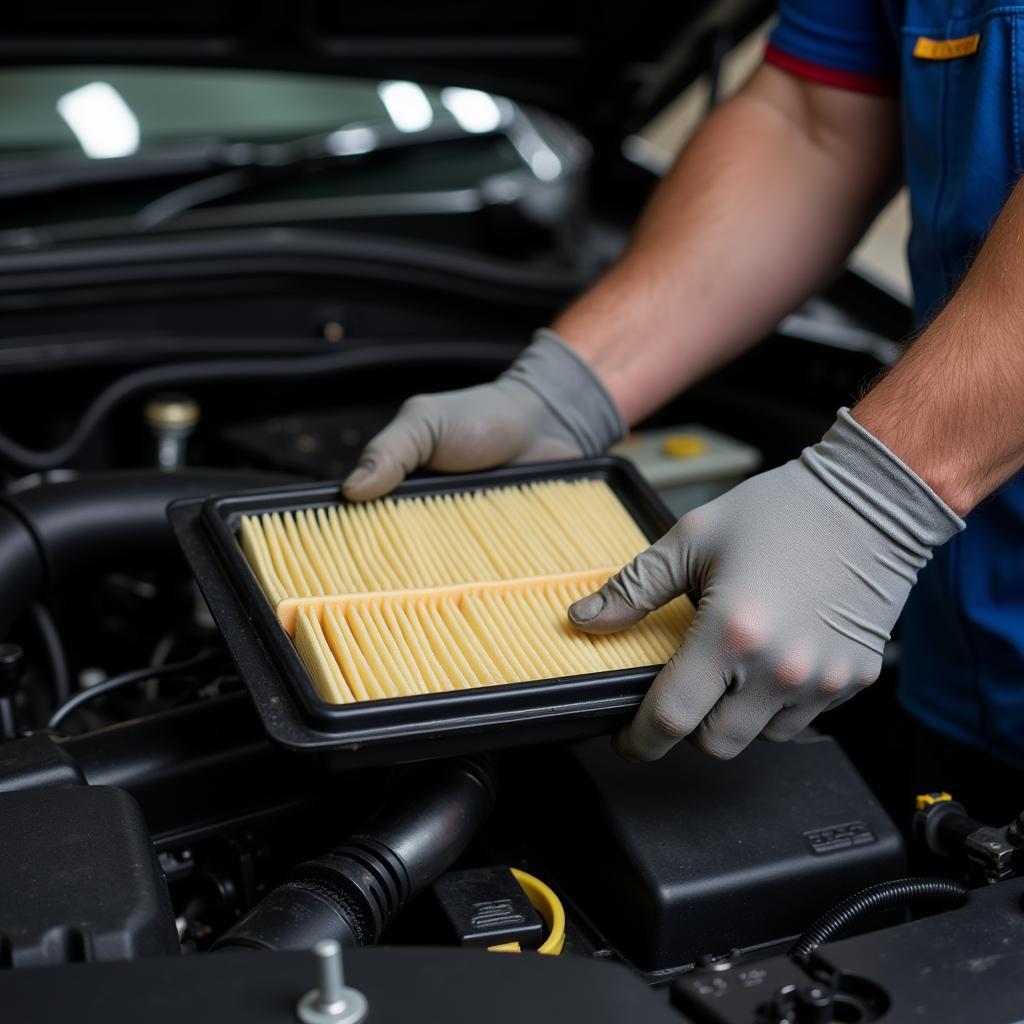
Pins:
x: 926, y: 800
x: 505, y: 947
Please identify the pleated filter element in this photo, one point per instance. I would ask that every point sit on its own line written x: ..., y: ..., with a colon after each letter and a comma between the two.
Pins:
x: 403, y: 643
x: 444, y: 592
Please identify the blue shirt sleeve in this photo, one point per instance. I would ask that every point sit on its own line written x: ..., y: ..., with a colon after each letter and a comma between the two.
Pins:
x: 852, y: 37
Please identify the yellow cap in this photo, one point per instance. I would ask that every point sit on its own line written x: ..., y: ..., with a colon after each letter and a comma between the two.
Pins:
x: 925, y: 800
x: 684, y: 446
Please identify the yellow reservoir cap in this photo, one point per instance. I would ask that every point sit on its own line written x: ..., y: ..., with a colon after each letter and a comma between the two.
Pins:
x: 926, y: 800
x: 684, y: 446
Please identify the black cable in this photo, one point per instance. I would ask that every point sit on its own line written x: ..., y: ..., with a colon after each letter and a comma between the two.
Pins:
x: 47, y: 630
x: 900, y: 893
x: 126, y: 679
x: 233, y: 369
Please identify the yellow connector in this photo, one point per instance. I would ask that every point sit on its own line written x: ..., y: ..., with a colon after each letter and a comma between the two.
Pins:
x: 926, y: 800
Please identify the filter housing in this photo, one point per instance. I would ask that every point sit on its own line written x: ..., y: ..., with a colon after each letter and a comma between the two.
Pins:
x: 401, y: 728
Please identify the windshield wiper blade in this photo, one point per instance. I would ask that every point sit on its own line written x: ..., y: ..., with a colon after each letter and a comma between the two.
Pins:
x: 45, y: 176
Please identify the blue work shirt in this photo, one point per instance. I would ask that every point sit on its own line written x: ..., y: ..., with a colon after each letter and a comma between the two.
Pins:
x: 958, y: 67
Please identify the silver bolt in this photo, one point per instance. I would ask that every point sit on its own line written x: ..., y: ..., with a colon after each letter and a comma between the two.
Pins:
x: 331, y: 1002
x: 332, y: 974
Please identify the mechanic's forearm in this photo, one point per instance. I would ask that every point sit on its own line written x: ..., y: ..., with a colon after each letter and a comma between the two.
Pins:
x: 953, y: 407
x: 761, y: 208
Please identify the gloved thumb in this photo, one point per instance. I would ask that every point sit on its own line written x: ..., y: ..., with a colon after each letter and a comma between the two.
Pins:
x: 402, y: 446
x: 652, y: 579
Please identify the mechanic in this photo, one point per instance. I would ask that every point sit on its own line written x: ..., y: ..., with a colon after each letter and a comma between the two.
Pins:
x: 802, y: 571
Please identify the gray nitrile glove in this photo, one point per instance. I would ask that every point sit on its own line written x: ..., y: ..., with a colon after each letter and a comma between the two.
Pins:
x: 547, y: 405
x: 801, y: 573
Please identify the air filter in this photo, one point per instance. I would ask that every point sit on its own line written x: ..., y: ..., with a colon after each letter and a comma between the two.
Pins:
x: 433, y: 621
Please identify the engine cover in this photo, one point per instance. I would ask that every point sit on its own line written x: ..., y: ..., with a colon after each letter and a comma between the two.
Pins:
x: 689, y: 856
x: 79, y: 879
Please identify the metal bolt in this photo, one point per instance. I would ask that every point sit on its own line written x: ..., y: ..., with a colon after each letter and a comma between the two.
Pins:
x: 172, y: 419
x: 331, y: 1002
x: 332, y: 974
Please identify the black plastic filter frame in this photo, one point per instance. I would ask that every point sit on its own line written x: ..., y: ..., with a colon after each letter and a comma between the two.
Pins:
x: 400, y: 728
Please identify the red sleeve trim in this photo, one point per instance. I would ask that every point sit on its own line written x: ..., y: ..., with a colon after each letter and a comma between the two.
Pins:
x: 852, y: 80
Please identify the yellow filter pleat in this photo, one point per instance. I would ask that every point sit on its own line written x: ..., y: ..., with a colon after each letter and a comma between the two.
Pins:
x: 405, y: 634
x: 531, y: 658
x: 361, y: 557
x: 295, y: 558
x: 485, y: 671
x: 346, y: 651
x: 364, y: 540
x: 440, y: 608
x: 549, y: 630
x: 469, y: 521
x: 254, y: 545
x: 403, y: 552
x: 433, y: 671
x: 385, y: 642
x: 318, y: 659
x: 432, y: 534
x: 468, y: 545
x: 304, y: 566
x: 453, y: 674
x: 495, y: 640
x: 587, y: 514
x: 278, y: 558
x: 315, y: 543
x: 357, y: 617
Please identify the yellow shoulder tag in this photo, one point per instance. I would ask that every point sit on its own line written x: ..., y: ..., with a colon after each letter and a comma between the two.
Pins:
x: 946, y: 49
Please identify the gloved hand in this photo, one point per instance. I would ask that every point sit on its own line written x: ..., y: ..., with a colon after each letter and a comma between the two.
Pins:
x: 800, y: 572
x: 547, y: 405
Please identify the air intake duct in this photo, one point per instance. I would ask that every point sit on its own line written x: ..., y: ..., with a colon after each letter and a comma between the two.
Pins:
x: 352, y: 893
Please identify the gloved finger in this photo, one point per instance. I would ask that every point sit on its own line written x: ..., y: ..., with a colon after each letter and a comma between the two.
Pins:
x: 734, y: 723
x: 788, y: 722
x: 652, y: 579
x: 405, y: 443
x: 683, y: 692
x: 833, y: 686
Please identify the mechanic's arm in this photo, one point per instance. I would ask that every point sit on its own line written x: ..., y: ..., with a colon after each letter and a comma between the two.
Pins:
x: 953, y: 407
x: 759, y: 211
x: 761, y: 208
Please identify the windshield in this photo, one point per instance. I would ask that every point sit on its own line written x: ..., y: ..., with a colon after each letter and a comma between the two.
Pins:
x: 105, y: 112
x: 92, y: 153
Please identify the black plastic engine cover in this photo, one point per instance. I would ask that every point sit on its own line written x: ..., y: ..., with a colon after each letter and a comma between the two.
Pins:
x: 79, y: 879
x: 402, y: 985
x: 958, y: 966
x: 689, y: 856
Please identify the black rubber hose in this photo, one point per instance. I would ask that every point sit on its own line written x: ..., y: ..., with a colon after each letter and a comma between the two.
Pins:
x: 235, y: 370
x: 21, y: 568
x: 60, y: 676
x: 903, y: 892
x: 354, y: 892
x: 56, y: 531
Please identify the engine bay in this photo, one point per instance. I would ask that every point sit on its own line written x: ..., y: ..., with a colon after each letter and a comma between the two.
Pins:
x: 164, y: 854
